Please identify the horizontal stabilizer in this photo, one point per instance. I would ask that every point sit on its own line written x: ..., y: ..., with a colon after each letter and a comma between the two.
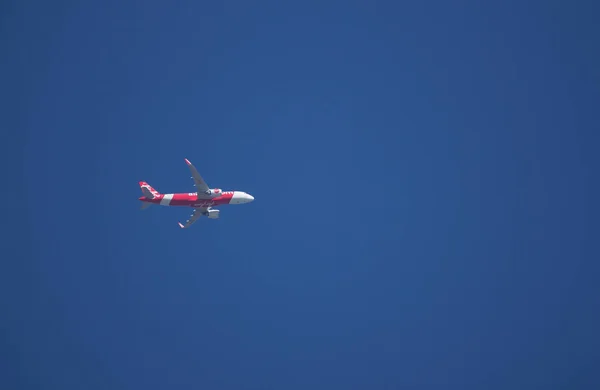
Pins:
x: 145, y: 205
x: 147, y: 193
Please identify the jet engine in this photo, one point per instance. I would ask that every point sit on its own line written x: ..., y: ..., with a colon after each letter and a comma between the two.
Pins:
x: 212, y: 214
x: 213, y: 192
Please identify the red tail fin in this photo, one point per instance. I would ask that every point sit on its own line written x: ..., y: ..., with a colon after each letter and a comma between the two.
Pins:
x: 148, y: 191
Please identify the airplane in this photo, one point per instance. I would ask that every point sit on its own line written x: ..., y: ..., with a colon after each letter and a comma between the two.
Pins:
x: 201, y: 201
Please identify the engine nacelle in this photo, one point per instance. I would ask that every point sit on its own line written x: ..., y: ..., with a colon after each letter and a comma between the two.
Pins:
x: 214, y: 192
x: 213, y: 214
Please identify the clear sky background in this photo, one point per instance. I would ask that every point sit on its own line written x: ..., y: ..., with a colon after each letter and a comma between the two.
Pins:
x: 425, y: 176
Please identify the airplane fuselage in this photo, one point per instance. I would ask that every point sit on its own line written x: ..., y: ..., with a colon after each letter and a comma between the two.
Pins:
x: 202, y: 201
x: 192, y: 199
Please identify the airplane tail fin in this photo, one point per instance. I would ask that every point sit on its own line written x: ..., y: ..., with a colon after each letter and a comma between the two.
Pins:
x: 148, y: 191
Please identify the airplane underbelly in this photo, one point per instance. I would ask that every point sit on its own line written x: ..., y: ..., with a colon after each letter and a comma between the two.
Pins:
x: 180, y: 203
x: 204, y: 203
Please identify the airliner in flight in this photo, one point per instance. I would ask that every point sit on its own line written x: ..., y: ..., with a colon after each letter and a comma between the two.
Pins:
x: 201, y: 201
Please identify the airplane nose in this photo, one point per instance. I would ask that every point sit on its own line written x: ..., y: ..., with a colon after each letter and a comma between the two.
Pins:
x: 249, y: 197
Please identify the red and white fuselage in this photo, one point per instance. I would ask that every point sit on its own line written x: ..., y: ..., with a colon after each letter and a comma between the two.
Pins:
x: 192, y: 199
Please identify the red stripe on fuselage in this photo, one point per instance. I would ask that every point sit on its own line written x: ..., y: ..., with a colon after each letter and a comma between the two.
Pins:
x: 183, y: 199
x: 193, y: 201
x: 219, y: 200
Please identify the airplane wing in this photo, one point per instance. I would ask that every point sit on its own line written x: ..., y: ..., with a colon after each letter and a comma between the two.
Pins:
x: 197, y: 213
x: 198, y: 180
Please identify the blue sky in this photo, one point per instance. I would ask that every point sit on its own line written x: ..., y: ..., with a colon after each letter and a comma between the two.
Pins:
x: 425, y: 184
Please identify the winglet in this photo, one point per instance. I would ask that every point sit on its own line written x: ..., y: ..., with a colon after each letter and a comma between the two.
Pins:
x: 180, y: 225
x: 187, y: 161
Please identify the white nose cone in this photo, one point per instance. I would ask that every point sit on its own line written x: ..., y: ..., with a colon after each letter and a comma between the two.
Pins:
x: 240, y: 197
